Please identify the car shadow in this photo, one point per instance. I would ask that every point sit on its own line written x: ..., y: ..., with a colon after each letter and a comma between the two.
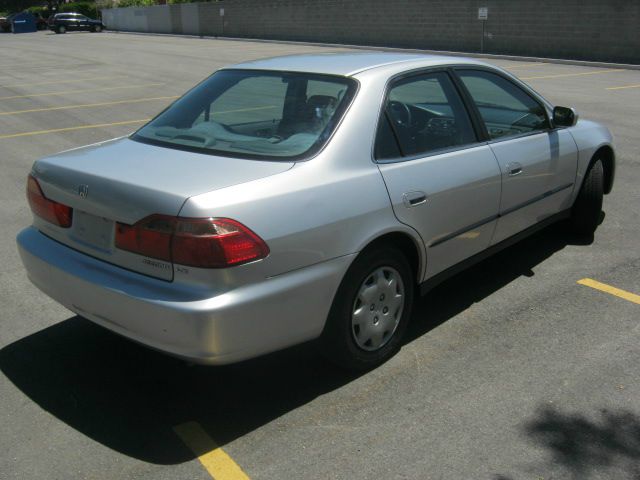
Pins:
x: 478, y: 282
x: 129, y: 398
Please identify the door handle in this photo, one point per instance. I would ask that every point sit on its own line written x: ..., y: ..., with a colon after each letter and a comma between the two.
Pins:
x: 513, y: 169
x: 413, y: 199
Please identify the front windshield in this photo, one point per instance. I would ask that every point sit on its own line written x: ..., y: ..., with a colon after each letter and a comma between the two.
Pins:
x: 253, y: 114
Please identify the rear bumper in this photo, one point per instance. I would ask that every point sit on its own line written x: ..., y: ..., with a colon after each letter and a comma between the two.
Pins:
x: 197, y: 325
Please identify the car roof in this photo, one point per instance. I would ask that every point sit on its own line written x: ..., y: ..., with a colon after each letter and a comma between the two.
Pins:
x: 350, y: 63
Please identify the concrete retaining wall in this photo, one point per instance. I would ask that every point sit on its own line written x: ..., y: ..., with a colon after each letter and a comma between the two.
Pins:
x: 600, y: 30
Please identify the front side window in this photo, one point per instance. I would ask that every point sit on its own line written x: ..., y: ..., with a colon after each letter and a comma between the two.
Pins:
x: 422, y: 114
x: 253, y: 114
x: 505, y: 108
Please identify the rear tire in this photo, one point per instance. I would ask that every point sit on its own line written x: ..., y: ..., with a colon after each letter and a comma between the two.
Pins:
x: 61, y: 29
x: 370, y: 311
x: 585, y: 215
x: 97, y: 29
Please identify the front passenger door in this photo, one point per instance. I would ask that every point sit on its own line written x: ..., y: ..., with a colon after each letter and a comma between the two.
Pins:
x: 71, y: 23
x: 538, y: 163
x: 83, y: 23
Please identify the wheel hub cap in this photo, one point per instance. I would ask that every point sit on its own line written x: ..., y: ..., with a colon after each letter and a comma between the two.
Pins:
x: 377, y: 309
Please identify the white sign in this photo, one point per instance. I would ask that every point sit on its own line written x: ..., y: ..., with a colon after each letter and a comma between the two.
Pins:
x: 483, y: 13
x: 222, y: 12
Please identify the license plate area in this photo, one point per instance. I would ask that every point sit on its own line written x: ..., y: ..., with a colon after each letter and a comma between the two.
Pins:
x: 93, y: 231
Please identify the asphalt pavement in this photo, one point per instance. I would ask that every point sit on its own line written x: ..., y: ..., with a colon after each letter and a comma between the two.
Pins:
x: 511, y: 370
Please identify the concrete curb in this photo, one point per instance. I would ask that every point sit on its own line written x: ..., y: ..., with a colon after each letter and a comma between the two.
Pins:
x: 561, y: 61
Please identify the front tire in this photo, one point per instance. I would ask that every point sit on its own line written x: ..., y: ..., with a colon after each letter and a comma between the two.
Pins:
x: 61, y: 29
x: 370, y: 311
x: 97, y: 29
x: 585, y: 215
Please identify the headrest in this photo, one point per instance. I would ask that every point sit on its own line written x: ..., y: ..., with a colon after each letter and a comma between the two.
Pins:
x: 322, y: 101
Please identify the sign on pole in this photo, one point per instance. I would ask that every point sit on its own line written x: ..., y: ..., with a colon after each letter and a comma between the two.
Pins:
x: 222, y: 12
x: 483, y: 13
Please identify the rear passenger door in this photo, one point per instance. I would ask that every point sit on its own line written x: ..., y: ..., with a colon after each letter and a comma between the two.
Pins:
x: 442, y: 180
x: 538, y: 163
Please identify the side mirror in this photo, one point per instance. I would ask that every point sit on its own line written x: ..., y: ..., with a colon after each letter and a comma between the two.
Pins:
x: 564, y: 117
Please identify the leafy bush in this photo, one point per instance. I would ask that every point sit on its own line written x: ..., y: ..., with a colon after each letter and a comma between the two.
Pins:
x: 85, y: 8
x: 102, y: 4
x: 44, y: 13
x: 136, y: 3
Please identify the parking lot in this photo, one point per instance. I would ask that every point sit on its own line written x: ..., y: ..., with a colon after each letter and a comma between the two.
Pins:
x: 526, y: 366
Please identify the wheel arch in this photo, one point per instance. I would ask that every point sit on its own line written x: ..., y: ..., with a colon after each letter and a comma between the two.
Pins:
x: 408, y: 244
x: 606, y: 154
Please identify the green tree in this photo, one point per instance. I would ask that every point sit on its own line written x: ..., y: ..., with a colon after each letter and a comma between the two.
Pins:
x: 17, y: 5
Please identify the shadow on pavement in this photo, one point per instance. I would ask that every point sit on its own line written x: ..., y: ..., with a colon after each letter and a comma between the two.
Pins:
x: 128, y: 397
x: 583, y: 446
x: 478, y: 282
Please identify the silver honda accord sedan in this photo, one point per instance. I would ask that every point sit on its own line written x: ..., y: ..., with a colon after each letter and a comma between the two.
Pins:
x: 307, y: 197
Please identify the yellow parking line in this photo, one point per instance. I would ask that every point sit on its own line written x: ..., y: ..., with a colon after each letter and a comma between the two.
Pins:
x: 632, y: 297
x: 88, y: 105
x: 59, y: 81
x: 623, y: 87
x: 50, y: 73
x: 68, y: 129
x: 526, y: 65
x: 244, y: 110
x: 82, y: 91
x: 597, y: 72
x: 215, y: 460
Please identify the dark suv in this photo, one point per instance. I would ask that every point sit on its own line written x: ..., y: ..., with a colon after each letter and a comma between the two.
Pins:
x: 68, y: 22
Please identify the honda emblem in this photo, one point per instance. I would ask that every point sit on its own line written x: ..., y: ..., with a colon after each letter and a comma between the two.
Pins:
x: 83, y: 191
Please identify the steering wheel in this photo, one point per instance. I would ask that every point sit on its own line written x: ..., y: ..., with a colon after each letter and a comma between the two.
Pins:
x: 524, y: 120
x: 399, y: 113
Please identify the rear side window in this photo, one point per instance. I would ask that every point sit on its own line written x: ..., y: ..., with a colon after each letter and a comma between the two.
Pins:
x: 386, y: 142
x: 506, y: 109
x: 422, y: 114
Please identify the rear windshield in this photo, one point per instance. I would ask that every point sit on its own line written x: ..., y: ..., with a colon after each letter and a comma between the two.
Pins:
x: 253, y: 114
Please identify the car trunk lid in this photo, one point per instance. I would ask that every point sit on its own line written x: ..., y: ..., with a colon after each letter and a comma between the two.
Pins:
x: 125, y: 181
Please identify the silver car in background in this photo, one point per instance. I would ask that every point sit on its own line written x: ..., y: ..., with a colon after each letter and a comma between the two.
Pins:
x: 307, y: 197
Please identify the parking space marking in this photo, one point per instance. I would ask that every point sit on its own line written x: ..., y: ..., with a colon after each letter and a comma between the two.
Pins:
x: 67, y: 92
x: 49, y: 73
x: 536, y: 64
x: 603, y: 287
x: 597, y: 72
x: 623, y: 87
x: 215, y: 460
x: 69, y: 129
x: 267, y: 107
x: 59, y: 81
x: 88, y: 105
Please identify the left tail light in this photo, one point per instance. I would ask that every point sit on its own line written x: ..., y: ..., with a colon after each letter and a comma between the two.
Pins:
x: 51, y: 211
x: 196, y: 242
